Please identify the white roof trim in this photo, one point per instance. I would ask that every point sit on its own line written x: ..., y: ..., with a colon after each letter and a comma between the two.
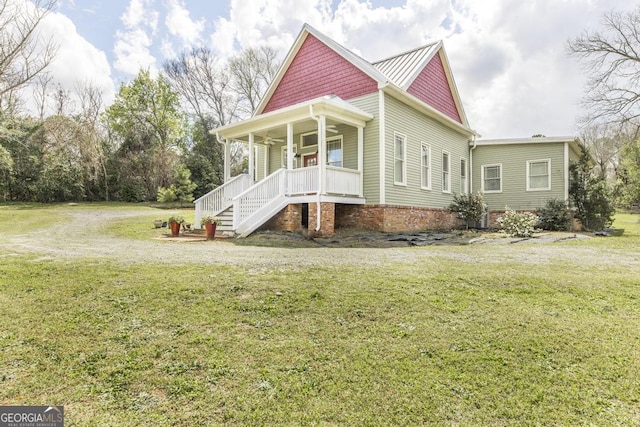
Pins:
x: 427, y: 109
x: 512, y: 141
x: 331, y: 106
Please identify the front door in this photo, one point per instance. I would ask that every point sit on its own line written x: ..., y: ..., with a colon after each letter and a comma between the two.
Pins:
x: 310, y: 160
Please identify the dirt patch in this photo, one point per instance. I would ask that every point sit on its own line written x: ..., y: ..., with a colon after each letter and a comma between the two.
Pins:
x: 84, y: 236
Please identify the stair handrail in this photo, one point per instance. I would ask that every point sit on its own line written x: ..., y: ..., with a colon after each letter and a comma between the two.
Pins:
x: 221, y: 197
x: 263, y: 191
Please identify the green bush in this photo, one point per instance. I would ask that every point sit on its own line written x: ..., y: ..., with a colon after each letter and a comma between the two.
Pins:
x: 554, y: 216
x: 469, y: 207
x: 518, y: 224
x: 590, y: 195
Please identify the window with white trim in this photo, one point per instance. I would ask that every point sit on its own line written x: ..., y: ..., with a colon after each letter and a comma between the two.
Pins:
x: 539, y: 175
x: 400, y: 159
x: 464, y: 183
x: 283, y: 156
x: 425, y: 166
x: 492, y: 178
x: 446, y: 172
x: 309, y: 139
x: 334, y: 151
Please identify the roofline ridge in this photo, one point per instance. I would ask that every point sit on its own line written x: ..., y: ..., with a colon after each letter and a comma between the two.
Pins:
x: 428, y: 45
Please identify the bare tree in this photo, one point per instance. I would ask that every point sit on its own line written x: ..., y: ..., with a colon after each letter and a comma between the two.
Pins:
x: 41, y: 92
x: 91, y: 101
x: 252, y: 71
x: 612, y: 60
x: 204, y: 83
x: 23, y: 53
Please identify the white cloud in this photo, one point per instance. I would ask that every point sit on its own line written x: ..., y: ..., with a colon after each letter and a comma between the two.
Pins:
x: 508, y: 56
x: 180, y: 24
x: 76, y: 62
x: 133, y: 43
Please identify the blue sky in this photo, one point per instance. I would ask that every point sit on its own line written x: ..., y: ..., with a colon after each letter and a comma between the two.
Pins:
x: 508, y: 56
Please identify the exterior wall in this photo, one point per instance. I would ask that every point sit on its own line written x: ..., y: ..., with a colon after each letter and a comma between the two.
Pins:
x: 419, y: 128
x: 389, y: 218
x: 318, y: 70
x: 432, y: 87
x: 369, y: 103
x: 514, y: 159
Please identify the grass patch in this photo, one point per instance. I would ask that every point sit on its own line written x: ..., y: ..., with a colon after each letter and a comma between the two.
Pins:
x: 23, y: 218
x: 428, y: 343
x: 433, y: 341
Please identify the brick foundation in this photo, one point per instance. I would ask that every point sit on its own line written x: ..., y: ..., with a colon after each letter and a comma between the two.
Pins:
x: 389, y: 218
x: 288, y: 219
x: 327, y: 219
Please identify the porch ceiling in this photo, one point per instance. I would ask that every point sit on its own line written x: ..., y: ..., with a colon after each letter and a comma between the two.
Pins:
x: 274, y: 123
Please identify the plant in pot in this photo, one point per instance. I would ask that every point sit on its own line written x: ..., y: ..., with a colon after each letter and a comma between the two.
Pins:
x: 210, y: 223
x: 175, y: 221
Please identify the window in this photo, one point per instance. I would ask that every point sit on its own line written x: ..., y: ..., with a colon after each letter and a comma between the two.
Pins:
x: 464, y: 185
x: 399, y: 159
x: 425, y: 160
x: 538, y: 175
x: 492, y: 178
x: 446, y: 172
x: 334, y: 151
x: 309, y: 139
x: 283, y: 156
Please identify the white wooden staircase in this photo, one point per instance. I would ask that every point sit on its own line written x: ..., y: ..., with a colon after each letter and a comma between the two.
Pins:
x: 243, y: 206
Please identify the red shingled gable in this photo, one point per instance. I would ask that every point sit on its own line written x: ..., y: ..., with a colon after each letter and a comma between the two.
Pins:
x: 317, y: 70
x: 432, y: 87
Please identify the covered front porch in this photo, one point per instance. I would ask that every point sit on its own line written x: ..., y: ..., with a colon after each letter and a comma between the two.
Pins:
x: 311, y: 152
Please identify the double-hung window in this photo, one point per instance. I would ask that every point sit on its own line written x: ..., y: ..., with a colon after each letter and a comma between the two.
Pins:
x: 334, y: 151
x: 464, y: 184
x: 446, y: 172
x: 539, y: 175
x: 492, y: 178
x: 399, y: 159
x: 425, y: 166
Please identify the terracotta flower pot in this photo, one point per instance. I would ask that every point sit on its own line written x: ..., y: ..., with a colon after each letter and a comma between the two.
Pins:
x: 175, y: 228
x: 211, y: 229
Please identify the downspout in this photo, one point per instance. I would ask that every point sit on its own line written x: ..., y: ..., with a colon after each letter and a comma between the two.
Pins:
x: 473, y: 147
x: 317, y: 119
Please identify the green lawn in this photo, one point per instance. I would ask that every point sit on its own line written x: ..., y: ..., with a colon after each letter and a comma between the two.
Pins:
x: 437, y: 342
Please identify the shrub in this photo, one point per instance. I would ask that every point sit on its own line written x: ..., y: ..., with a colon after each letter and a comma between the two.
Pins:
x: 554, y: 216
x: 590, y: 195
x: 469, y: 207
x: 518, y: 224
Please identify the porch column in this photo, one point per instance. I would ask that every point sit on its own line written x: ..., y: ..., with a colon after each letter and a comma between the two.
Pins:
x: 227, y: 160
x: 251, y: 157
x: 322, y: 149
x: 289, y: 146
x: 361, y: 158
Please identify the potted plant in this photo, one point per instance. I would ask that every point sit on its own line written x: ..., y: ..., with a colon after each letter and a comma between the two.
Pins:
x: 175, y: 221
x: 210, y: 223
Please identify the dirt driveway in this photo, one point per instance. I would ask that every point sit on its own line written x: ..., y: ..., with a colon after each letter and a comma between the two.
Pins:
x: 83, y: 236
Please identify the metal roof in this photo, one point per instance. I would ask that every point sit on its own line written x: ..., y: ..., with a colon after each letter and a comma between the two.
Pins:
x: 402, y: 69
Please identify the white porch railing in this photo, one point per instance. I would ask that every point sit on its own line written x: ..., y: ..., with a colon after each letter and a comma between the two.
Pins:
x: 302, y: 181
x: 220, y: 198
x: 256, y: 204
x: 342, y: 181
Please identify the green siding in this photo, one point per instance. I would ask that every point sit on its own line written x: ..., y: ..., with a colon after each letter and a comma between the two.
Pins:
x: 369, y: 103
x: 419, y: 128
x: 513, y: 158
